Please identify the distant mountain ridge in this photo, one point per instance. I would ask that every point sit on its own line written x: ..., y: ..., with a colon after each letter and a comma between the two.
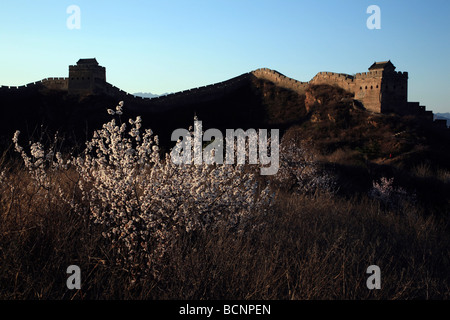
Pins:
x: 444, y: 116
x: 149, y: 94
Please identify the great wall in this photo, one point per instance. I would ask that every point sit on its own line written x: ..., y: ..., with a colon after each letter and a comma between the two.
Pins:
x: 50, y: 83
x: 380, y: 90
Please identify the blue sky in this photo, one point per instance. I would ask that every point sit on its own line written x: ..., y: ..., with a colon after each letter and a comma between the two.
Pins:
x: 168, y: 46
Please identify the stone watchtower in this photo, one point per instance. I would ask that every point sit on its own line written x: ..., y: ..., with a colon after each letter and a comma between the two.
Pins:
x: 85, y: 76
x: 382, y: 89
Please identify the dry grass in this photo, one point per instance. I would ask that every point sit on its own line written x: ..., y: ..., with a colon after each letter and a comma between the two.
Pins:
x: 425, y: 170
x: 308, y: 248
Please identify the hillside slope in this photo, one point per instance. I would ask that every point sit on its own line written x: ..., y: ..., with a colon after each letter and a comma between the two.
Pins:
x: 248, y: 103
x: 359, y: 146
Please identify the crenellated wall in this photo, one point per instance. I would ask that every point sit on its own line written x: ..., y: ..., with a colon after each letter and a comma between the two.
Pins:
x: 56, y: 83
x: 49, y: 83
x: 190, y: 96
x: 379, y: 91
x: 280, y: 79
x: 209, y: 92
x: 341, y: 80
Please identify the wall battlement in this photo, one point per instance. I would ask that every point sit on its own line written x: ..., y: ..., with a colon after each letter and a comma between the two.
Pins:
x: 379, y: 73
x: 326, y: 74
x: 381, y: 89
x: 280, y: 79
x: 56, y: 83
x: 165, y: 102
x: 49, y: 83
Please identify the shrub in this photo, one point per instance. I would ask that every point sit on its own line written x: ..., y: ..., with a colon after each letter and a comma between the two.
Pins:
x: 144, y: 202
x: 388, y: 194
x: 299, y: 172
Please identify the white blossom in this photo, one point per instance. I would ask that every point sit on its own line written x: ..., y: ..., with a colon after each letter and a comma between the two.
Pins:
x: 144, y: 201
x: 388, y: 194
x: 299, y: 171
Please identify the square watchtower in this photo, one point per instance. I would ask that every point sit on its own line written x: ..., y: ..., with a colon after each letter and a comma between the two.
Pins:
x: 84, y: 76
x: 382, y: 89
x: 394, y: 88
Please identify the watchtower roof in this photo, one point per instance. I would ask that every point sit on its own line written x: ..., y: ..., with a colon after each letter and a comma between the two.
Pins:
x: 91, y: 61
x: 383, y: 65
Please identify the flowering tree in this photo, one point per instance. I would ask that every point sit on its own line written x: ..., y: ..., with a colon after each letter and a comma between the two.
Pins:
x: 299, y: 171
x: 144, y: 201
x: 388, y: 194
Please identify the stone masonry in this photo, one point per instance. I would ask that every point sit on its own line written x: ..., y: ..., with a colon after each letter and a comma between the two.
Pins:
x: 84, y: 76
x: 380, y: 90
